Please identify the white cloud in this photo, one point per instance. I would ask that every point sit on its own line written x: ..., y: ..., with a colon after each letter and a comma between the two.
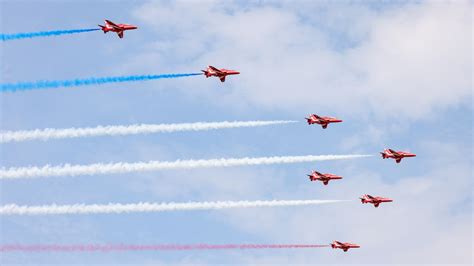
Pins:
x: 417, y: 59
x: 404, y: 62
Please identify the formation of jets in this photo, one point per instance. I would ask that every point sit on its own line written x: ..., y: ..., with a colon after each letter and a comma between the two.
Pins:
x: 324, y: 121
x: 209, y: 72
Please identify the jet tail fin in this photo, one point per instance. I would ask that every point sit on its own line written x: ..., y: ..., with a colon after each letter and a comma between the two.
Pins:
x: 103, y: 28
x: 206, y: 73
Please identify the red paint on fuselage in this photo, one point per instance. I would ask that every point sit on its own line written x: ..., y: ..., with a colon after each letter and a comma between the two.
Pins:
x: 325, y: 178
x: 118, y: 28
x: 374, y: 200
x: 324, y: 121
x: 396, y: 155
x: 220, y: 73
x: 345, y: 246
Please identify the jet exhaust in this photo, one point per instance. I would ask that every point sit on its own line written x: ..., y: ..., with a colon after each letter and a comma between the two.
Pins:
x: 124, y: 167
x: 149, y: 247
x: 118, y: 208
x: 22, y: 86
x: 25, y: 35
x: 120, y: 130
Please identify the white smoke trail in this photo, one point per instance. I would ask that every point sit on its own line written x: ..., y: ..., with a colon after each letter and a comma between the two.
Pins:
x: 13, y: 209
x: 114, y: 168
x: 54, y: 133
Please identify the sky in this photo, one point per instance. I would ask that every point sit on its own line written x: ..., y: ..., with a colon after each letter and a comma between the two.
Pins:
x: 398, y: 73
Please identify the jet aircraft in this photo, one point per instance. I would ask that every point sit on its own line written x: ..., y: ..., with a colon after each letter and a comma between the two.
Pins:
x: 220, y: 73
x: 374, y: 200
x: 324, y: 121
x: 397, y: 155
x: 344, y: 246
x: 118, y: 28
x: 325, y: 178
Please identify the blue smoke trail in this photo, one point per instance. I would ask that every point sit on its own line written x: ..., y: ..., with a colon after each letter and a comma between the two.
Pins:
x: 20, y: 86
x: 16, y: 36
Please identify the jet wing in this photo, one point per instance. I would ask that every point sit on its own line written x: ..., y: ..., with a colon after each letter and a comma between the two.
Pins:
x: 218, y: 71
x: 394, y: 152
x: 113, y: 25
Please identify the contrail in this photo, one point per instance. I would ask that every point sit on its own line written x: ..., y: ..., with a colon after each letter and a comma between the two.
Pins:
x: 53, y: 133
x: 122, y: 167
x: 159, y: 247
x: 117, y: 208
x: 21, y: 86
x: 24, y: 35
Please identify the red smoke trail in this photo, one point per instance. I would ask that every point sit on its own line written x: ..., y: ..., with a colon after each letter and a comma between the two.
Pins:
x: 123, y: 247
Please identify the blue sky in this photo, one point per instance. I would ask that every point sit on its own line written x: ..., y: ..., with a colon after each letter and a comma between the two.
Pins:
x: 400, y: 76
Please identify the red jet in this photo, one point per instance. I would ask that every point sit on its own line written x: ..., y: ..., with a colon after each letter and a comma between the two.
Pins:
x: 374, y: 200
x: 322, y: 120
x: 397, y: 155
x: 220, y: 73
x: 325, y: 178
x: 344, y: 246
x: 118, y: 28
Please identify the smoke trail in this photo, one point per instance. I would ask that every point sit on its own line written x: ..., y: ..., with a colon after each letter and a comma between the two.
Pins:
x: 113, y: 168
x: 159, y: 247
x: 52, y: 133
x: 21, y: 86
x: 117, y: 208
x: 24, y: 35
